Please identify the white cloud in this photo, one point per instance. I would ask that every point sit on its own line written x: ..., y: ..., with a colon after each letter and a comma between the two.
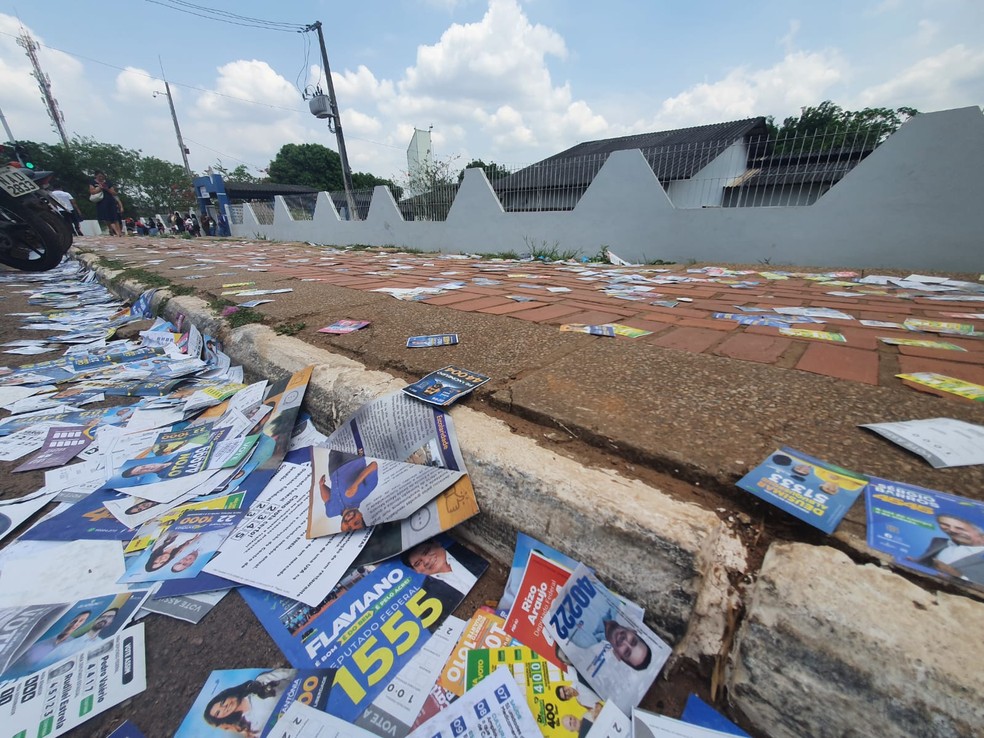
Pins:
x: 135, y: 85
x: 953, y: 78
x: 801, y: 78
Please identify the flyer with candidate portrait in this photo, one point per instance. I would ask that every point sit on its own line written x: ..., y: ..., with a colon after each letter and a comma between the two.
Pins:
x: 929, y: 531
x: 445, y: 385
x: 252, y: 701
x: 437, y: 339
x: 371, y: 630
x: 812, y: 490
x: 615, y: 652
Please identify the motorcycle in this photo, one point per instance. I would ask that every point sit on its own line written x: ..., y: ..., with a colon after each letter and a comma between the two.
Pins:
x: 33, y: 235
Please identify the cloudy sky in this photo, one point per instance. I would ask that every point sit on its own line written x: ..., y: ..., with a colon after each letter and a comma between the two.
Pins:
x: 511, y: 81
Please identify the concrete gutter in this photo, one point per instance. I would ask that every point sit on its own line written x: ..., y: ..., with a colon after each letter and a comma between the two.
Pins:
x: 811, y: 657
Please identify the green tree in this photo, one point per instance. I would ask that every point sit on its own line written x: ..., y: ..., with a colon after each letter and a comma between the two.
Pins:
x: 492, y: 170
x: 366, y: 181
x: 431, y: 189
x: 240, y: 174
x: 828, y: 126
x: 313, y: 165
x: 161, y: 187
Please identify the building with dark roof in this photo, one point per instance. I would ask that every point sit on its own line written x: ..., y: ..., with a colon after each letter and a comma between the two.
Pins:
x: 684, y: 161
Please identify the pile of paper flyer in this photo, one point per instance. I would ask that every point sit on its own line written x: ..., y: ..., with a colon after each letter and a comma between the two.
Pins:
x: 186, y: 482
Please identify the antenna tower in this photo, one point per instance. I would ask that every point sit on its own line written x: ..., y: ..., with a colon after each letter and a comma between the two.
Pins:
x: 44, y: 84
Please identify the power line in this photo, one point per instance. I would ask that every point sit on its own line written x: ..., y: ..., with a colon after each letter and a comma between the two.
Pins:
x: 224, y: 16
x: 222, y: 153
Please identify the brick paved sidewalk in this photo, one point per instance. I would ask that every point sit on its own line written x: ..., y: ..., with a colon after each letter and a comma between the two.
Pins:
x: 687, y: 326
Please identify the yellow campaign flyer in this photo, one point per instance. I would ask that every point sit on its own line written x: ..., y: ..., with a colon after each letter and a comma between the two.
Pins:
x: 942, y: 384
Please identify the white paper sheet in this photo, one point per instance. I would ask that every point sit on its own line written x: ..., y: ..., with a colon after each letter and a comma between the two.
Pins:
x: 649, y: 725
x: 301, y: 721
x: 943, y: 442
x: 494, y: 708
x: 74, y: 571
x: 268, y: 548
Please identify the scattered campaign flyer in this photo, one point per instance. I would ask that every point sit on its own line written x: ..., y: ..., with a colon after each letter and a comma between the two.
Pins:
x: 301, y: 721
x: 445, y: 385
x: 454, y: 505
x: 266, y: 551
x: 61, y: 445
x: 395, y: 710
x: 14, y: 512
x: 697, y: 712
x: 649, y: 725
x: 55, y: 700
x: 350, y: 491
x: 549, y: 695
x: 941, y: 345
x: 251, y: 701
x: 594, y: 330
x: 542, y: 580
x: 938, y: 326
x: 615, y: 652
x: 940, y: 384
x: 184, y: 548
x: 812, y: 490
x: 341, y: 327
x: 495, y: 707
x: 485, y: 630
x: 819, y: 335
x: 36, y: 636
x: 928, y: 531
x: 438, y: 339
x: 943, y: 442
x: 370, y: 631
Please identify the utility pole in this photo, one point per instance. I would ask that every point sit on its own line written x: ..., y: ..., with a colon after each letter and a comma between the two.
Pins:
x: 6, y: 128
x: 44, y: 83
x: 337, y: 120
x: 174, y: 117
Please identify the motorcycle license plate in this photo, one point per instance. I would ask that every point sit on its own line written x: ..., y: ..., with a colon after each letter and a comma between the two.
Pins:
x: 15, y: 183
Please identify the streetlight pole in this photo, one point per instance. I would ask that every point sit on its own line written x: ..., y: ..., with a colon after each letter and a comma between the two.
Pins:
x: 174, y: 117
x: 346, y: 170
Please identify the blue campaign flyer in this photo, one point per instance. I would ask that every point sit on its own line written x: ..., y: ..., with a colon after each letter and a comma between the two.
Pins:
x: 809, y: 489
x: 439, y: 339
x: 370, y: 629
x: 445, y: 385
x: 698, y: 712
x: 928, y: 531
x: 87, y: 519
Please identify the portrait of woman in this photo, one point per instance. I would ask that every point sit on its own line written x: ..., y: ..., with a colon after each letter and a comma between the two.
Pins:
x: 245, y: 708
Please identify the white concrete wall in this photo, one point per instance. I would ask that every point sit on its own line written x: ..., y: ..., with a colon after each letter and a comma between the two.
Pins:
x: 915, y: 203
x: 706, y: 188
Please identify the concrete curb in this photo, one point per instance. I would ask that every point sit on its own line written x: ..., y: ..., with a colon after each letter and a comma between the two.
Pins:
x: 670, y: 556
x: 830, y: 648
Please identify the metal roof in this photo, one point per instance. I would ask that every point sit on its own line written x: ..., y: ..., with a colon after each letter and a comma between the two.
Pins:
x: 673, y: 155
x: 265, y: 190
x: 825, y: 168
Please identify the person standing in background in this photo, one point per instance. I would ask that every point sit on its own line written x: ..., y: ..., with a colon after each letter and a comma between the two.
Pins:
x: 70, y: 210
x: 103, y: 193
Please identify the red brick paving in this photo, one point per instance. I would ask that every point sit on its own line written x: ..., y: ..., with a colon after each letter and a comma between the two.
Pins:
x: 856, y: 365
x: 751, y: 347
x: 688, y: 327
x: 695, y: 340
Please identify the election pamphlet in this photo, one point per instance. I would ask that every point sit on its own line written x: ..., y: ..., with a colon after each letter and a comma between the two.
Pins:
x: 549, y: 695
x: 445, y: 385
x: 616, y: 653
x: 438, y: 339
x: 931, y: 532
x: 392, y: 611
x: 649, y: 725
x: 55, y: 700
x: 301, y: 721
x: 252, y: 701
x: 943, y: 442
x: 495, y: 707
x: 542, y: 580
x: 814, y: 491
x: 937, y: 384
x: 36, y: 636
x: 341, y: 327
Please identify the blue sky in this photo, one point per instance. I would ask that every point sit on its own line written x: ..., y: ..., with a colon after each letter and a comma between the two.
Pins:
x: 511, y: 81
